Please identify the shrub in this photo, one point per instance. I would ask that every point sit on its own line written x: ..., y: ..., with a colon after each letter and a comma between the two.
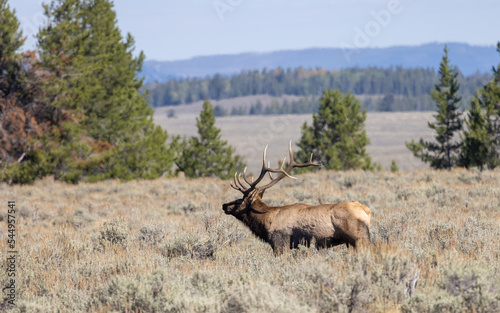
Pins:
x: 151, y: 234
x: 466, y: 290
x: 126, y: 294
x: 192, y: 245
x: 260, y: 297
x: 114, y: 232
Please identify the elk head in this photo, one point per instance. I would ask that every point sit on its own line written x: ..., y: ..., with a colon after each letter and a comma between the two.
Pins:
x: 252, y: 194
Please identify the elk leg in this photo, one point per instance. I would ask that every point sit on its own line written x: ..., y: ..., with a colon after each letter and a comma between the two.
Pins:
x: 350, y: 242
x: 279, y: 243
x: 278, y: 250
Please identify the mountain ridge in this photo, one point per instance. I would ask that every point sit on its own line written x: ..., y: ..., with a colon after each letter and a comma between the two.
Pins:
x: 468, y: 58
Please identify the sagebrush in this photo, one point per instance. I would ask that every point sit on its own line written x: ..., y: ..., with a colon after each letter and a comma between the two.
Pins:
x: 166, y: 246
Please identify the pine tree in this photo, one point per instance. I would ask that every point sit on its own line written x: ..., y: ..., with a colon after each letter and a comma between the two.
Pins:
x: 10, y: 42
x: 490, y: 101
x: 476, y: 141
x: 208, y: 155
x: 11, y: 144
x: 337, y: 137
x: 481, y: 139
x: 24, y: 120
x: 92, y: 73
x: 442, y: 153
x: 394, y: 166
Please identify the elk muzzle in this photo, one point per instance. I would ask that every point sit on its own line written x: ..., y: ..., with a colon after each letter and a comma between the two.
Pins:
x: 230, y: 207
x: 227, y: 207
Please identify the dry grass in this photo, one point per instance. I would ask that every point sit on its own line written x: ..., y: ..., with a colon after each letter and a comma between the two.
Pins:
x: 166, y: 246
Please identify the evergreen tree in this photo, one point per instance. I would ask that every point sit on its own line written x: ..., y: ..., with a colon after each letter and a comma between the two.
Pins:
x: 443, y: 152
x: 337, y: 137
x: 10, y: 80
x: 92, y: 73
x: 476, y: 140
x: 394, y: 166
x: 208, y: 155
x: 387, y: 103
x: 219, y: 111
x: 10, y: 42
x: 24, y: 119
x: 481, y: 139
x: 490, y: 101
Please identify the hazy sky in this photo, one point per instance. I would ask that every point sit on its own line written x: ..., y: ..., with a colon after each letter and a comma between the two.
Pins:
x: 181, y: 29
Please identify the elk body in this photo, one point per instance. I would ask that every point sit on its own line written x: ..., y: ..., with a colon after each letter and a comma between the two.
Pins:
x: 285, y: 227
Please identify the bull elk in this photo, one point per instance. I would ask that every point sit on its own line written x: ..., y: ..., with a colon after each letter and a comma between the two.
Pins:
x: 284, y: 227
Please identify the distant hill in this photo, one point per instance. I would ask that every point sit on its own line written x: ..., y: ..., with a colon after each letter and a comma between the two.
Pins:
x: 469, y: 59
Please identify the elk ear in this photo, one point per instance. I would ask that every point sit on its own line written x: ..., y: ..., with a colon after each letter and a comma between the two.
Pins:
x: 256, y: 195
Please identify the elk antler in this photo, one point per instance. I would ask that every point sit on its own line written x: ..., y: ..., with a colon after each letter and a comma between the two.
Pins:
x: 239, y: 185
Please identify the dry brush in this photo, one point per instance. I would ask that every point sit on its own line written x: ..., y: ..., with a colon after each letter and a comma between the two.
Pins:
x: 166, y: 246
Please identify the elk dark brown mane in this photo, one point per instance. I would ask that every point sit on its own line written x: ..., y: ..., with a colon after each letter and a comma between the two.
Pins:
x: 285, y: 227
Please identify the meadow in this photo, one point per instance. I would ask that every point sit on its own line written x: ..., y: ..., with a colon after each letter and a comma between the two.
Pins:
x: 166, y: 246
x: 387, y: 132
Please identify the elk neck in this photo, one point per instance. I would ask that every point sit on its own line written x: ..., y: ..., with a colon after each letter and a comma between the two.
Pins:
x: 259, y: 207
x: 257, y: 218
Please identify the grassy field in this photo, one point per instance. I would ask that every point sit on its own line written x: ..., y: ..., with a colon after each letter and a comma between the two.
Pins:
x: 166, y: 246
x: 249, y: 134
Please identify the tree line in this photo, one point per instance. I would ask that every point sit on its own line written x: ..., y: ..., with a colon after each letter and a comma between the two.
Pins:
x: 405, y: 89
x: 309, y: 105
x: 301, y: 106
